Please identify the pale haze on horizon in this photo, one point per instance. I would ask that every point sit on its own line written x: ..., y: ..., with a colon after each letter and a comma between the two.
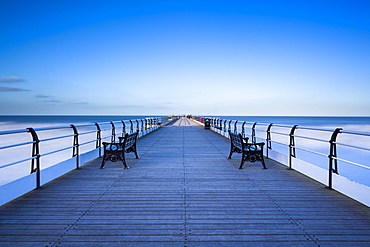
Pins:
x: 274, y: 58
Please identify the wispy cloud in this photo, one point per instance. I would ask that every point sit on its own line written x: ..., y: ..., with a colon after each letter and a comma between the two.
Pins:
x: 128, y: 106
x: 43, y: 96
x: 80, y: 103
x: 11, y: 79
x: 52, y: 101
x: 12, y: 89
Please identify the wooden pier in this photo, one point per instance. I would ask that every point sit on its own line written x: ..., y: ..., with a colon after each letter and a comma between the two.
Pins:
x: 183, y: 191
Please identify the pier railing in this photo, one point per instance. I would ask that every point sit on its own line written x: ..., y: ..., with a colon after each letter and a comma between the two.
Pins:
x: 33, y: 150
x: 331, y: 156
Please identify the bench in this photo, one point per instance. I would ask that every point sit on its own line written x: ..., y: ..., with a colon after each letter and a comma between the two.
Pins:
x: 251, y: 152
x: 115, y: 151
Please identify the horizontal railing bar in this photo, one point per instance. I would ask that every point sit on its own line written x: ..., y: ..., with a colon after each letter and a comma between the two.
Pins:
x: 115, y: 122
x: 55, y: 138
x: 241, y: 122
x: 17, y: 145
x: 310, y: 138
x: 17, y: 162
x: 353, y: 163
x: 260, y: 130
x: 106, y: 137
x: 316, y: 129
x: 281, y: 126
x: 355, y: 132
x: 88, y: 132
x: 279, y: 133
x: 284, y: 144
x: 85, y: 125
x: 52, y: 128
x: 266, y: 124
x: 9, y: 132
x: 351, y: 146
x: 326, y: 130
x: 84, y: 143
x: 314, y: 152
x: 56, y: 151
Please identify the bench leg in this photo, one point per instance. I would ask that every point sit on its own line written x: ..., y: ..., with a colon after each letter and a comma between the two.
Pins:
x: 242, y: 161
x: 263, y: 162
x: 231, y: 153
x: 137, y: 156
x: 232, y: 150
x: 133, y: 150
x: 123, y: 159
x: 103, y: 162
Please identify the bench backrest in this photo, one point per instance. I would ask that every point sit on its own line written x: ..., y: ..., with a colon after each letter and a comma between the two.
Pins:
x: 236, y: 139
x: 130, y: 140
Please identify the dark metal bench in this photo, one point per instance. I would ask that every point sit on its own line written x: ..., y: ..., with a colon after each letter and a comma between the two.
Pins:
x: 251, y: 152
x: 115, y: 151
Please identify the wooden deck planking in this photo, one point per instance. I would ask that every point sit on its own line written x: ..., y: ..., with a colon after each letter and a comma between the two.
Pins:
x: 184, y: 192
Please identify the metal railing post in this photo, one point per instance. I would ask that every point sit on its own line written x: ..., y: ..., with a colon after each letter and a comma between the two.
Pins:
x: 225, y: 122
x: 76, y: 146
x: 137, y: 126
x: 235, y: 128
x: 123, y: 128
x: 268, y: 140
x: 333, y: 162
x: 113, y: 136
x: 98, y: 138
x: 243, y: 131
x: 254, y: 132
x: 292, y: 153
x: 131, y: 127
x: 36, y: 155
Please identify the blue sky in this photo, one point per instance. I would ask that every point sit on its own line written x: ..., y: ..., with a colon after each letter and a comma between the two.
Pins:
x: 284, y: 58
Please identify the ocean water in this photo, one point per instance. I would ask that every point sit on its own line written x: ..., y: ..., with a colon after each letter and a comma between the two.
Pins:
x: 280, y: 141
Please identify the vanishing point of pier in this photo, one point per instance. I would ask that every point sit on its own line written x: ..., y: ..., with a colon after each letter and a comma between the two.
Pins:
x: 183, y: 191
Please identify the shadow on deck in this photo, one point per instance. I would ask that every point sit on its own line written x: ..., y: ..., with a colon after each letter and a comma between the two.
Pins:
x: 184, y: 192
